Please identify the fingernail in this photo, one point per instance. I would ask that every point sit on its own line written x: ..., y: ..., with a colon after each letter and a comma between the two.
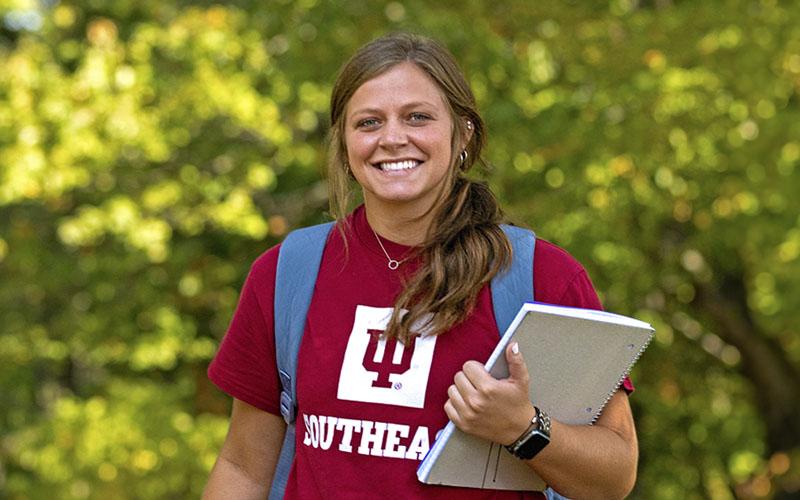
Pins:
x: 515, y: 348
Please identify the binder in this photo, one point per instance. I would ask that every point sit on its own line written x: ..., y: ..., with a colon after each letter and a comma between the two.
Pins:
x: 577, y: 359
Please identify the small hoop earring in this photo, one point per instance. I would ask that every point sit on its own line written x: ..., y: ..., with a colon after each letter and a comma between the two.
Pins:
x: 463, y: 158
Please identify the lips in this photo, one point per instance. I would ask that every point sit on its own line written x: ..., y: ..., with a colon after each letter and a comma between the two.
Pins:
x: 396, y: 166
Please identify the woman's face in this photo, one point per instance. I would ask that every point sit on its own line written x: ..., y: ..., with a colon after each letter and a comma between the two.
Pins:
x: 398, y: 134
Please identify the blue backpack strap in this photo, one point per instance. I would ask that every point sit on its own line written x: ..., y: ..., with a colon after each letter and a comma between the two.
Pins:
x: 298, y: 265
x: 514, y: 286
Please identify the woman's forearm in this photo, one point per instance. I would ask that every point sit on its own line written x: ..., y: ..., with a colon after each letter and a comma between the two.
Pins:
x: 246, y: 463
x: 592, y: 461
x: 230, y: 481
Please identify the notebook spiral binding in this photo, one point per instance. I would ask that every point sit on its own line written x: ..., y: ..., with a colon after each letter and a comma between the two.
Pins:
x: 622, y: 377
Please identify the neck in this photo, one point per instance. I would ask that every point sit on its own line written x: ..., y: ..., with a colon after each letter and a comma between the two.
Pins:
x: 406, y: 227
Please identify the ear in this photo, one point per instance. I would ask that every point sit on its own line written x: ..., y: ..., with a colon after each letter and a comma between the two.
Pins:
x: 468, y: 129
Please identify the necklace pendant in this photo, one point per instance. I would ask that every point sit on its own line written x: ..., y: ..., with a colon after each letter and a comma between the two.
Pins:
x: 393, y: 264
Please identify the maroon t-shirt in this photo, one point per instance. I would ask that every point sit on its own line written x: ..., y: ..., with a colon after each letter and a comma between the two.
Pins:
x: 368, y: 411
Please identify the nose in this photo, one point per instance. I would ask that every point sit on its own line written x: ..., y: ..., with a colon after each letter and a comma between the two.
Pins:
x: 393, y: 135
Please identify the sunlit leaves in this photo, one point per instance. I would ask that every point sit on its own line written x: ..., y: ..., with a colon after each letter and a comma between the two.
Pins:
x: 100, y: 445
x: 149, y: 151
x: 122, y: 217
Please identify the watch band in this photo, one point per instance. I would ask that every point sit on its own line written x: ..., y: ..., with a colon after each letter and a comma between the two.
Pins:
x: 535, y: 437
x: 544, y: 421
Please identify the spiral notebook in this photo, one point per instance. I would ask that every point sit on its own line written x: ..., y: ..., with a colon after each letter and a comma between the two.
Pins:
x: 577, y: 359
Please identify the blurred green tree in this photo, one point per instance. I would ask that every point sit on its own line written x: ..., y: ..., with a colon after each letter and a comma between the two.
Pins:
x: 149, y: 151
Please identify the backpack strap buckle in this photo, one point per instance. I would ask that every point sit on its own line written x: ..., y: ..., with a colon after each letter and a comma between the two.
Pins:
x: 287, y: 402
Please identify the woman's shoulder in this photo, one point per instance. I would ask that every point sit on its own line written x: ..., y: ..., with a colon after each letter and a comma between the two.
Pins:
x: 549, y: 254
x: 266, y: 264
x: 267, y: 261
x: 559, y: 278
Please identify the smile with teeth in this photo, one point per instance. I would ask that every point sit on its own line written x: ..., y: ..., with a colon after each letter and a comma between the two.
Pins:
x: 394, y: 166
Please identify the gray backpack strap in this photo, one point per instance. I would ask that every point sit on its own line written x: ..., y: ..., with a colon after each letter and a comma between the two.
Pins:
x: 298, y: 265
x: 514, y: 286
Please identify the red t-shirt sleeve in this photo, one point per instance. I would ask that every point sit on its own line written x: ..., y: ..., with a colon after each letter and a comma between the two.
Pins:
x: 562, y: 280
x: 244, y: 366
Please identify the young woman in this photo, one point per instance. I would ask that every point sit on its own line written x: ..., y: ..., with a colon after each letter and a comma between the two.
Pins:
x: 405, y: 274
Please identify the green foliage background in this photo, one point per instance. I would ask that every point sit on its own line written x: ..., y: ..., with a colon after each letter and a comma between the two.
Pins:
x: 150, y: 150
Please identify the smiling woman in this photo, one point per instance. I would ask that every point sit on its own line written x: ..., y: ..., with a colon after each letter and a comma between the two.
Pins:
x: 401, y: 318
x: 405, y: 125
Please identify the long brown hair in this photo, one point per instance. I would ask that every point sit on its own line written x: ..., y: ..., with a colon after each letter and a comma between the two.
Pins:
x: 465, y: 247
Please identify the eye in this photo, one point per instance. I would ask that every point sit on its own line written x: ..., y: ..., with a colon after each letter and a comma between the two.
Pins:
x: 418, y: 117
x: 367, y: 123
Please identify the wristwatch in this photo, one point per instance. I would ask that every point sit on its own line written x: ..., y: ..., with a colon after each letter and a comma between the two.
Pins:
x: 535, y: 437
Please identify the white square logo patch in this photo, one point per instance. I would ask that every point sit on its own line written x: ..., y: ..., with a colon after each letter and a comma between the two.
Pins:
x: 375, y: 370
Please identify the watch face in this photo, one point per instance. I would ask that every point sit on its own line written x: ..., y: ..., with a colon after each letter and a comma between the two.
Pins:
x: 533, y: 445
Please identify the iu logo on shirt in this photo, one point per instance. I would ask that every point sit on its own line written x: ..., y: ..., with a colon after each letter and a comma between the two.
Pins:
x: 383, y: 364
x: 375, y: 370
